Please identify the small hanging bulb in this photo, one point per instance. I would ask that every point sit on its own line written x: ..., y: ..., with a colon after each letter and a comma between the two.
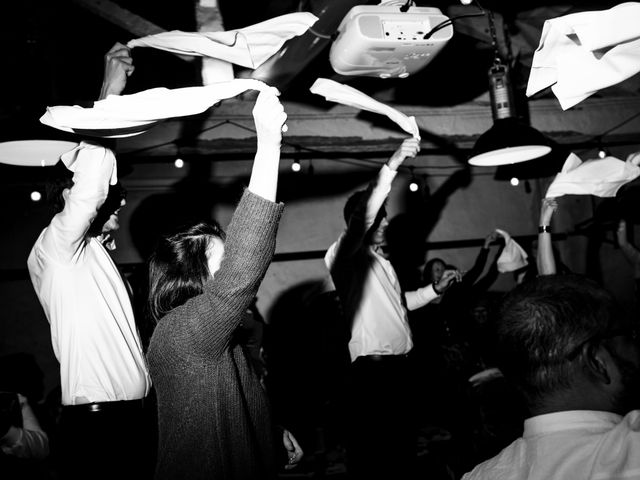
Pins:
x: 35, y: 196
x: 295, y: 166
x: 179, y: 163
x: 602, y: 153
x: 413, y: 186
x: 514, y: 181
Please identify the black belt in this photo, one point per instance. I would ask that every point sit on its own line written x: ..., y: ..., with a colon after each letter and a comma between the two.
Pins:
x: 382, y: 358
x: 97, y: 407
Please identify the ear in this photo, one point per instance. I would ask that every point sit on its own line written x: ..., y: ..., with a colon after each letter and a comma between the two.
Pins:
x: 599, y: 363
x: 65, y: 194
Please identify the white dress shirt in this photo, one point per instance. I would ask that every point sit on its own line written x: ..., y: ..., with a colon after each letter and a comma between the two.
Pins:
x: 578, y: 444
x: 93, y: 332
x: 368, y: 285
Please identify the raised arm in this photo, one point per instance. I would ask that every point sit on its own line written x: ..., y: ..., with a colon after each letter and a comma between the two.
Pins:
x: 545, y: 260
x: 269, y: 118
x: 251, y: 238
x: 93, y: 167
x: 364, y: 215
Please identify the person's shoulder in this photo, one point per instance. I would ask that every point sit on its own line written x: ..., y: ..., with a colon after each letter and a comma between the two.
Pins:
x: 504, y: 466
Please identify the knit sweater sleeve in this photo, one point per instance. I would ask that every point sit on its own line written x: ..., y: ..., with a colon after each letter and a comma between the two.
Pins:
x: 211, y: 318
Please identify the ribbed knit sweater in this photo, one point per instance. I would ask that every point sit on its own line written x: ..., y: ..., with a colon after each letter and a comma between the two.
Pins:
x: 214, y: 418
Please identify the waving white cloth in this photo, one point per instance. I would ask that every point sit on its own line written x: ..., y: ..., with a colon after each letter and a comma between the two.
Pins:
x: 339, y: 93
x: 584, y: 52
x: 513, y: 256
x: 601, y: 177
x: 147, y: 107
x: 249, y: 47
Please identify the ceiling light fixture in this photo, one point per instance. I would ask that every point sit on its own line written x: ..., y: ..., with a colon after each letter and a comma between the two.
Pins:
x: 509, y: 140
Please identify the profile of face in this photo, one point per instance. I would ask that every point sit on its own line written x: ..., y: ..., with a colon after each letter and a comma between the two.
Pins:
x: 378, y: 232
x: 215, y: 252
x: 113, y: 222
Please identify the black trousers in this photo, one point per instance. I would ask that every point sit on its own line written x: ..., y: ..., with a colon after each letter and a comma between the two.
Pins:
x: 381, y: 431
x: 109, y: 440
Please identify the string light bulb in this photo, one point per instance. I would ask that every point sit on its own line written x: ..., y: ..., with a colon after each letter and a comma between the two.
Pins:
x: 35, y: 196
x: 179, y: 163
x: 295, y: 166
x: 514, y: 181
x: 413, y: 186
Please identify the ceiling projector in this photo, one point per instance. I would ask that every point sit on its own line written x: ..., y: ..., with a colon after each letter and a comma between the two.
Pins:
x: 382, y: 41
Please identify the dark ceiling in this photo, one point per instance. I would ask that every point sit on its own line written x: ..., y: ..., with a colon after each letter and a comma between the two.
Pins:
x: 53, y: 52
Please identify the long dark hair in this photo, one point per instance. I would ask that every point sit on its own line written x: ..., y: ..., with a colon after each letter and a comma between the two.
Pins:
x: 178, y: 267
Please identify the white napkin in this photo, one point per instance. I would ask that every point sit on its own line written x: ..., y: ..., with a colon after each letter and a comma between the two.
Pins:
x: 148, y: 106
x: 601, y: 177
x: 584, y: 52
x: 90, y: 152
x: 249, y: 47
x: 513, y: 256
x: 346, y: 95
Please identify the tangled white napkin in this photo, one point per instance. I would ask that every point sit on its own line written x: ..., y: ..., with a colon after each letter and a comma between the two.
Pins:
x: 249, y: 47
x: 147, y: 107
x: 346, y: 95
x: 513, y: 256
x: 584, y: 52
x: 601, y: 177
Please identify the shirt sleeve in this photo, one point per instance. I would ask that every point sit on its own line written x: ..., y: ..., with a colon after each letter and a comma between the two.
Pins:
x: 93, y: 168
x: 420, y: 297
x: 30, y: 441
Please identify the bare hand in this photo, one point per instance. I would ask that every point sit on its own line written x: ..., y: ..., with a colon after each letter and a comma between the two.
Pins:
x: 294, y: 452
x: 269, y: 117
x: 549, y: 205
x: 118, y: 65
x: 409, y: 148
x: 449, y: 277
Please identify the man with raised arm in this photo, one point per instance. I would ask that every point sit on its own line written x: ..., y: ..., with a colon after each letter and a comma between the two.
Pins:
x: 103, y: 373
x: 380, y: 440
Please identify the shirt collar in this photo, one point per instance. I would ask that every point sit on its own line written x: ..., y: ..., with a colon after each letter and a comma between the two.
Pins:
x: 570, y: 420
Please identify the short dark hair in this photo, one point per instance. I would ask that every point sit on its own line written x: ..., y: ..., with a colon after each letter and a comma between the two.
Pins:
x: 542, y: 323
x: 59, y: 179
x: 178, y: 267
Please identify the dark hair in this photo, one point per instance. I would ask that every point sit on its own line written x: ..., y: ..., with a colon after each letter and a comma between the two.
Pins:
x: 426, y: 271
x: 59, y: 179
x: 354, y: 200
x: 178, y: 267
x: 543, y: 323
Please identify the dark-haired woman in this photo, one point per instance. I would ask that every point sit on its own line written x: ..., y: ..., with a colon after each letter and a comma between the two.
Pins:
x: 214, y: 420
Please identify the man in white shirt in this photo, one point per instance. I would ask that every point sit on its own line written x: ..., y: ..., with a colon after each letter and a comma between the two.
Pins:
x: 103, y: 372
x: 380, y: 440
x: 575, y: 357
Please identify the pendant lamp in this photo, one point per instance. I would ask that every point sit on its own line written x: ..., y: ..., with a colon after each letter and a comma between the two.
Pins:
x: 509, y: 140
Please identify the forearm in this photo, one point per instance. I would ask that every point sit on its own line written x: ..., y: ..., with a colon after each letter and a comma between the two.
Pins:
x: 264, y: 175
x: 420, y: 297
x: 545, y: 260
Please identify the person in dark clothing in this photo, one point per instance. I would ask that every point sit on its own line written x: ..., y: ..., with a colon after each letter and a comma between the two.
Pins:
x: 214, y: 419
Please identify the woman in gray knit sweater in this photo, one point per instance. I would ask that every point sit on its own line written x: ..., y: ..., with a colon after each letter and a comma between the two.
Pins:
x: 214, y: 420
